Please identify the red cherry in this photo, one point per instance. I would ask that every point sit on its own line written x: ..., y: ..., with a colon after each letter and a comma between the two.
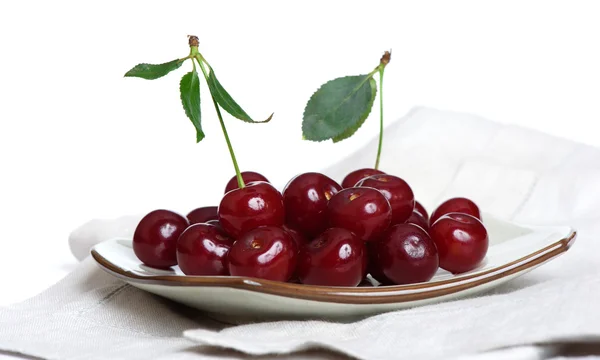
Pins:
x: 257, y: 204
x: 248, y: 176
x: 396, y: 190
x: 202, y: 215
x: 421, y: 209
x: 364, y: 211
x: 155, y: 238
x: 305, y: 198
x: 337, y: 257
x: 461, y: 240
x: 202, y: 250
x: 407, y: 255
x: 357, y: 175
x: 457, y: 205
x: 266, y: 252
x: 418, y: 219
x: 298, y: 238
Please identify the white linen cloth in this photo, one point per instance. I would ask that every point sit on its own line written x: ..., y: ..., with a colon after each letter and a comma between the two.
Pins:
x: 514, y: 173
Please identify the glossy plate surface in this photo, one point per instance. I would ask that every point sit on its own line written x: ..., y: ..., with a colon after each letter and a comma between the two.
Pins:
x: 514, y: 250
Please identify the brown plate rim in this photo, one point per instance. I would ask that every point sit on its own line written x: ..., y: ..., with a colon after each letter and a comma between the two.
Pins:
x: 349, y: 295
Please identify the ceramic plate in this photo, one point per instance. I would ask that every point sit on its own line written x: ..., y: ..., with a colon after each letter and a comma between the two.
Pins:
x: 514, y: 250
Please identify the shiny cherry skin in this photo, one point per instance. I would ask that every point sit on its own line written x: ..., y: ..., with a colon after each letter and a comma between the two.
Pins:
x: 202, y: 215
x: 418, y: 219
x: 202, y: 250
x: 457, y: 205
x: 462, y: 241
x: 406, y: 254
x: 364, y: 211
x: 155, y: 238
x: 397, y: 191
x: 357, y: 175
x: 257, y: 204
x: 305, y: 198
x: 421, y: 210
x: 337, y: 257
x: 248, y: 176
x: 266, y: 252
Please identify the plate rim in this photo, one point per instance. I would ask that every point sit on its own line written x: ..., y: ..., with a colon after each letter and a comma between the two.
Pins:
x: 348, y: 295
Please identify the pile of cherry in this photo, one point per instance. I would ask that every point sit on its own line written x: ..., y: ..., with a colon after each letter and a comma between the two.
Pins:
x: 317, y: 232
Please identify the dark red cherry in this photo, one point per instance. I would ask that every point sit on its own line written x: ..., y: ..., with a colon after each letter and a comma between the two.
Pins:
x: 457, y: 205
x: 248, y: 176
x: 406, y: 254
x: 357, y: 175
x: 305, y: 198
x: 337, y: 257
x: 421, y: 209
x: 418, y: 219
x: 266, y: 252
x: 217, y: 224
x: 298, y: 238
x: 202, y: 250
x: 364, y: 211
x: 257, y: 204
x: 202, y: 215
x: 461, y: 240
x: 155, y: 238
x: 396, y: 190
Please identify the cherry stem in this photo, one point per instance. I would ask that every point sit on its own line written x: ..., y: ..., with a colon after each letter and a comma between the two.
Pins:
x: 381, y: 69
x: 200, y: 59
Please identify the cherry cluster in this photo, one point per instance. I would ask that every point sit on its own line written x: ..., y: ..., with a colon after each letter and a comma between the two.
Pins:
x: 317, y: 232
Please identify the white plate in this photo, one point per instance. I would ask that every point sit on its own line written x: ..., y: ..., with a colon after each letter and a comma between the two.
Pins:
x: 514, y: 250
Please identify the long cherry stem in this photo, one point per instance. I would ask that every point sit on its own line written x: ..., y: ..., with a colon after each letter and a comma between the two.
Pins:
x: 381, y: 69
x: 238, y: 174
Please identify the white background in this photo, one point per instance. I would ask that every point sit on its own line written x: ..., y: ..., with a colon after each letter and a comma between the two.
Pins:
x: 78, y: 141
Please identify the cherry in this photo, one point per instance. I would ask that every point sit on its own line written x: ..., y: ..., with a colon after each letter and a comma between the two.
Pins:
x: 406, y: 254
x: 248, y: 176
x: 266, y: 252
x: 337, y: 257
x: 396, y: 190
x: 305, y: 198
x: 357, y: 175
x: 418, y: 219
x: 458, y: 205
x: 298, y: 238
x: 421, y: 209
x: 155, y: 238
x: 364, y: 211
x: 461, y: 240
x: 202, y: 214
x: 257, y: 204
x: 202, y: 250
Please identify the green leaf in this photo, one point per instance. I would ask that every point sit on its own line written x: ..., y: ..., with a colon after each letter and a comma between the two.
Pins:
x: 338, y: 108
x: 189, y: 88
x: 152, y: 71
x: 226, y: 101
x: 350, y: 131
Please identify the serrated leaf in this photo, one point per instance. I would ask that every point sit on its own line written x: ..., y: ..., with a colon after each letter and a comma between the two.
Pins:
x: 337, y: 107
x: 189, y: 88
x: 226, y: 101
x: 350, y: 131
x: 153, y: 71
